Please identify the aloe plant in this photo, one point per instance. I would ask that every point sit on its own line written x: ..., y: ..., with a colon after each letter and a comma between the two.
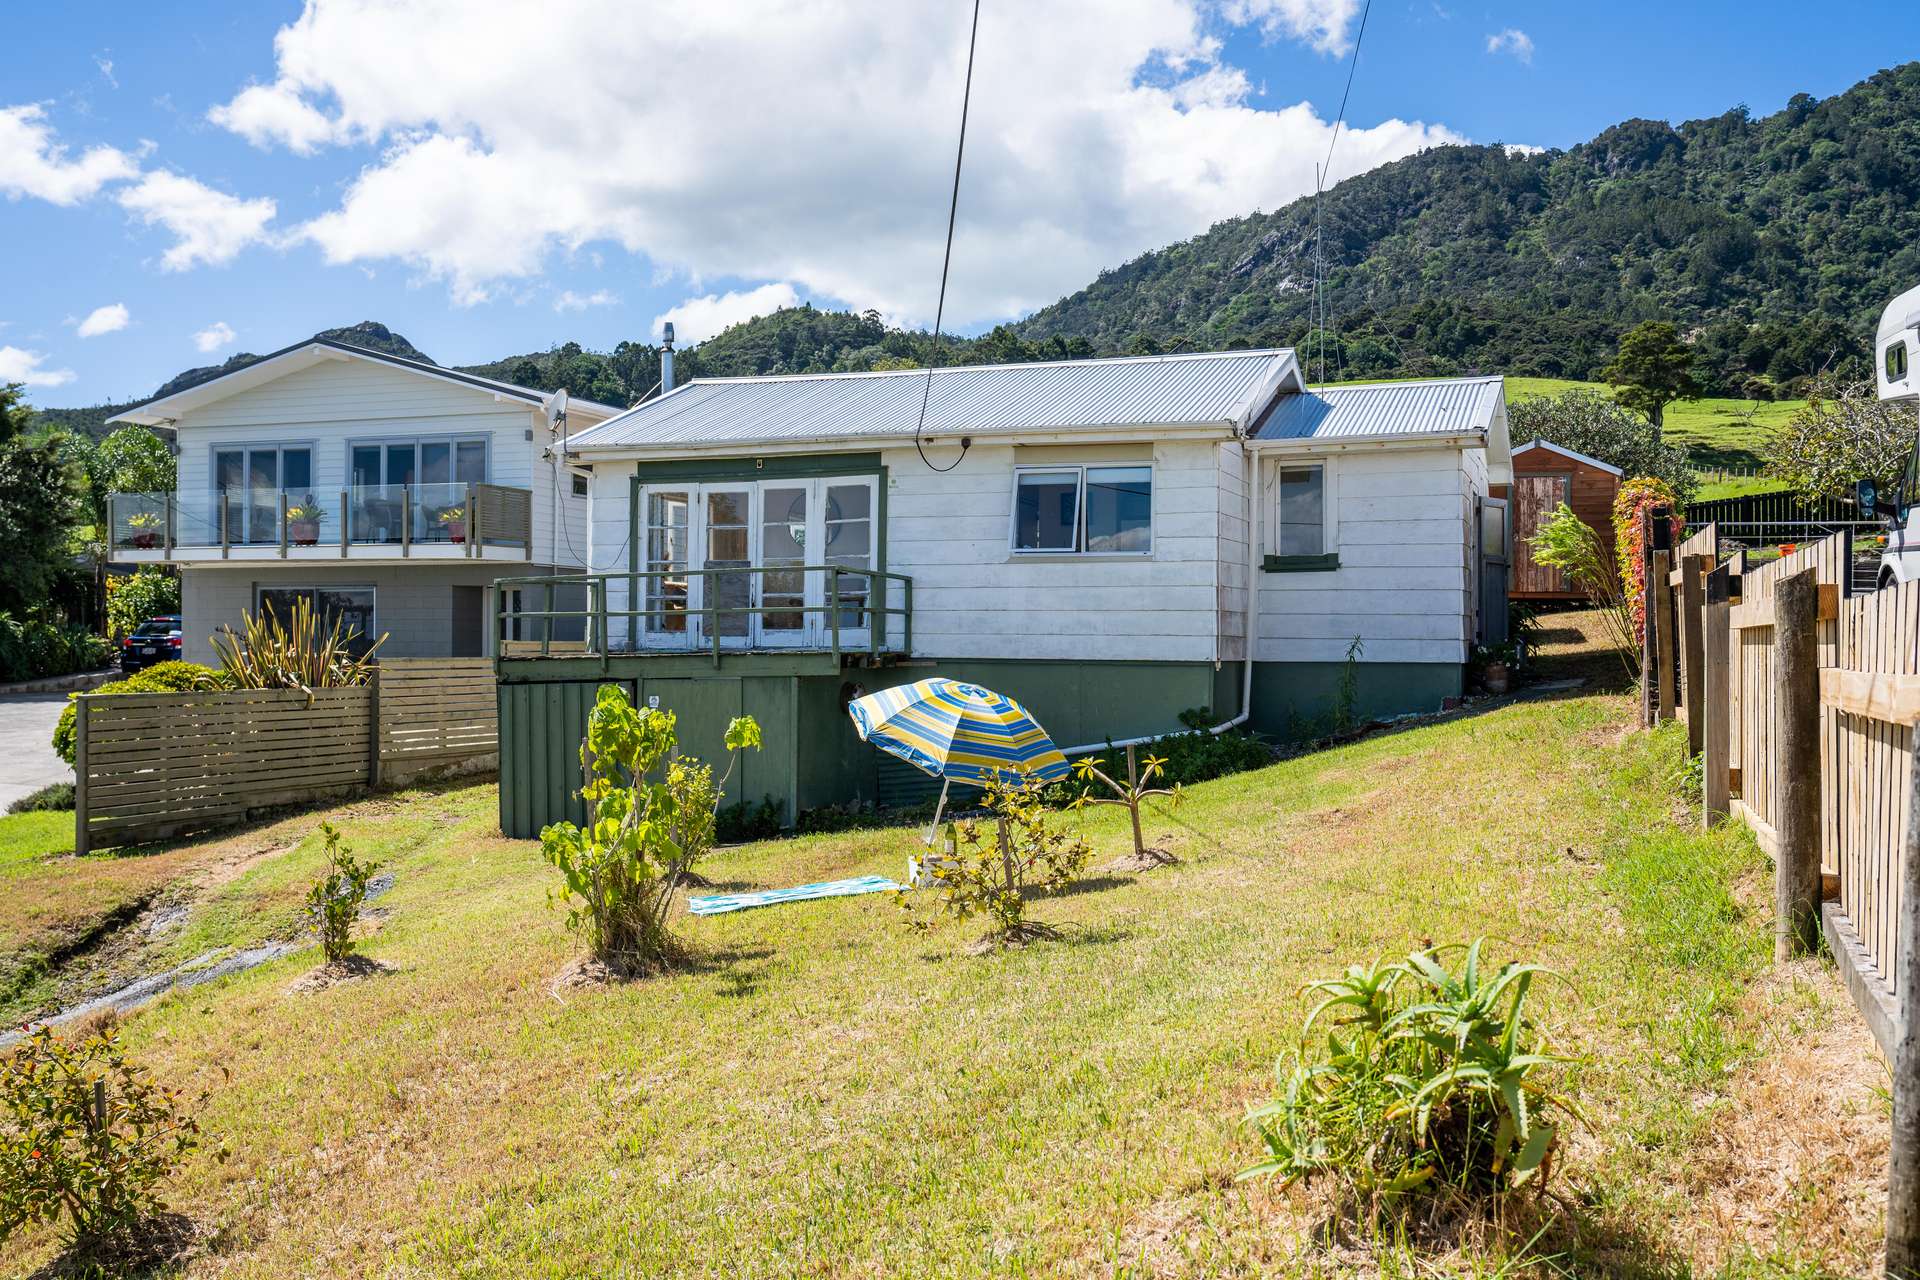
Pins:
x: 1427, y: 1077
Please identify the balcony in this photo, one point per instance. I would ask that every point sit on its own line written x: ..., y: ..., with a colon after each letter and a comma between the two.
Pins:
x: 837, y: 610
x: 372, y: 522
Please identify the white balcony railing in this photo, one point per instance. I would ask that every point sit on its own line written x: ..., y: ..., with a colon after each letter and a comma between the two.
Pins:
x: 472, y: 517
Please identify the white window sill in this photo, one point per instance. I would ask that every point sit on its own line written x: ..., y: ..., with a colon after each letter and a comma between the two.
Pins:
x: 1073, y: 557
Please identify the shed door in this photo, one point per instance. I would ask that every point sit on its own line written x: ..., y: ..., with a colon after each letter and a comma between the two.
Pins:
x: 1534, y: 499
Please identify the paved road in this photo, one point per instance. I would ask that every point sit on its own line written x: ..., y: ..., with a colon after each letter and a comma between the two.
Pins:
x: 27, y: 761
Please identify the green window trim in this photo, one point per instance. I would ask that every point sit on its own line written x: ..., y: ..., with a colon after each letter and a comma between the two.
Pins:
x: 1302, y: 564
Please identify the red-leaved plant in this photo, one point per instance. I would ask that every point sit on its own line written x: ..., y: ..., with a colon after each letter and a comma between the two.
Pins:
x: 1638, y: 495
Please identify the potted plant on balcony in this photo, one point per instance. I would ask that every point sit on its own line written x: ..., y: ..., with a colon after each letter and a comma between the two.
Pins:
x: 303, y: 522
x: 454, y: 521
x: 143, y: 530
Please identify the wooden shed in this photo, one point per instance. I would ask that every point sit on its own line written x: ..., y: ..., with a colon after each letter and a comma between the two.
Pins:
x: 1544, y: 476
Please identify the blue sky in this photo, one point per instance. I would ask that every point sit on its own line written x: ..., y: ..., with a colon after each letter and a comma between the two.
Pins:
x: 234, y: 176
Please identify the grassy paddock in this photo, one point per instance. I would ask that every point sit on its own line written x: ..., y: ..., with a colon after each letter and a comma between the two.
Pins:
x: 1715, y: 431
x: 823, y: 1092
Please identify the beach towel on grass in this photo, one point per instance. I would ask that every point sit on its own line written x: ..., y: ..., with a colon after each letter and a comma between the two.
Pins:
x: 718, y: 903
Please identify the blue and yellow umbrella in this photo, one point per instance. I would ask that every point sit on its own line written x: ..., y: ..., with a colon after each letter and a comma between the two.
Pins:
x: 958, y: 731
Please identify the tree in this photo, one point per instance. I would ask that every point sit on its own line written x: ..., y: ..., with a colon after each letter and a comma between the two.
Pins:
x: 1652, y: 369
x: 1590, y: 423
x: 1841, y: 435
x: 14, y: 412
x: 41, y: 493
x: 134, y: 460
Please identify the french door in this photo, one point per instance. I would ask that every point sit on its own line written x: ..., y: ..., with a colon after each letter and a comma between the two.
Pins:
x: 789, y: 530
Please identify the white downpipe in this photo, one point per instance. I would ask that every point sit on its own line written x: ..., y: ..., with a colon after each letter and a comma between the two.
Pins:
x: 1254, y: 506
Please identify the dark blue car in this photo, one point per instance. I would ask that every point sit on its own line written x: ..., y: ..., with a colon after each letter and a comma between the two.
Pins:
x: 155, y: 640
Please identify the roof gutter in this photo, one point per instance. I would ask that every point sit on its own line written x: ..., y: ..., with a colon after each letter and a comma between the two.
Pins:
x: 1316, y: 444
x: 583, y: 446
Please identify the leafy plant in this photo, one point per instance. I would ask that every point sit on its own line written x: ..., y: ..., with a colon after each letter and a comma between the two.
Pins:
x: 134, y: 597
x: 86, y: 1137
x: 52, y: 798
x: 1346, y: 691
x: 651, y: 817
x: 1843, y: 434
x: 333, y: 903
x: 269, y: 654
x: 1138, y: 787
x: 739, y: 822
x: 1428, y: 1077
x: 994, y: 868
x: 1566, y: 542
x: 449, y: 515
x: 1632, y: 505
x: 161, y: 677
x: 307, y: 512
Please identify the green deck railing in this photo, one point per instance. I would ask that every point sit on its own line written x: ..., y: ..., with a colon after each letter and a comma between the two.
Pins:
x: 711, y: 625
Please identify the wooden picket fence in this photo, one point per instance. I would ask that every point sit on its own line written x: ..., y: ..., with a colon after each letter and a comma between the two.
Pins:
x: 151, y: 766
x: 1735, y: 704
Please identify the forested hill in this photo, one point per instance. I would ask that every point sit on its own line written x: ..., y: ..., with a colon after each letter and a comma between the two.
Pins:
x: 1774, y: 242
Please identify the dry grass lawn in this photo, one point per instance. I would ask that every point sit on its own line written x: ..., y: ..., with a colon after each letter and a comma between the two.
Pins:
x: 825, y: 1093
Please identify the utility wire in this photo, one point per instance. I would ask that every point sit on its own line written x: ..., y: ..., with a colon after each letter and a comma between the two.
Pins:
x: 1319, y: 186
x: 946, y: 261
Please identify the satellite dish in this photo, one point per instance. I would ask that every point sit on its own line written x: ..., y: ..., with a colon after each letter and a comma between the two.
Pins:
x: 557, y: 416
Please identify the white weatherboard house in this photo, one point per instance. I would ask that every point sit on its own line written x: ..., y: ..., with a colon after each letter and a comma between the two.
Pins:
x: 1081, y: 535
x: 389, y: 492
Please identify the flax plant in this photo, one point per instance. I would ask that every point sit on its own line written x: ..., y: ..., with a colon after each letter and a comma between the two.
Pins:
x: 269, y: 654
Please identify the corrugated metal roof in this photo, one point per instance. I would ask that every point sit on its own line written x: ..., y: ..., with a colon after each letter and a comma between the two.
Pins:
x: 1180, y: 390
x: 1440, y: 407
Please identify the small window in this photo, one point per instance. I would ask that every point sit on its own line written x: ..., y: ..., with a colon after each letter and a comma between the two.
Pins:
x: 1301, y: 523
x: 579, y: 485
x: 1098, y: 510
x: 1897, y: 362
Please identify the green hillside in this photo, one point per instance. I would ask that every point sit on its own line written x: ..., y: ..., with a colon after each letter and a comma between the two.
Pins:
x: 1772, y: 242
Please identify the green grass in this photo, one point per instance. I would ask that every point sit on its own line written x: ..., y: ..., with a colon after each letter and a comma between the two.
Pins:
x: 825, y: 1092
x: 28, y: 837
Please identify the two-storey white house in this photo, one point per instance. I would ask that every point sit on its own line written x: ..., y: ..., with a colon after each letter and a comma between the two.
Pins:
x: 1122, y: 544
x: 389, y: 492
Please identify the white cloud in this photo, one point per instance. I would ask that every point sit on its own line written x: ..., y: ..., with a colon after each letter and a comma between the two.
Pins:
x: 807, y: 145
x: 264, y: 114
x: 1327, y: 25
x: 25, y: 366
x: 571, y: 301
x: 698, y: 319
x: 1513, y: 41
x: 106, y: 69
x: 108, y: 319
x: 214, y: 336
x: 208, y: 226
x: 33, y: 164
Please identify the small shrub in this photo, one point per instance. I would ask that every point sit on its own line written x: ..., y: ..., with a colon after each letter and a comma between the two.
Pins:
x: 34, y: 649
x: 1138, y: 787
x: 1638, y: 496
x: 1427, y: 1079
x: 86, y: 1138
x: 48, y: 799
x: 740, y: 822
x: 333, y: 904
x: 651, y: 818
x: 161, y: 677
x: 996, y: 866
x: 860, y: 815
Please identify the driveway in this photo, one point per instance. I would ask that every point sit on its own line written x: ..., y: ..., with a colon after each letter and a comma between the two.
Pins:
x: 27, y: 761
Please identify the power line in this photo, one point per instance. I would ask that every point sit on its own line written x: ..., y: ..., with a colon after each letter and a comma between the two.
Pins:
x: 946, y: 261
x: 1320, y: 172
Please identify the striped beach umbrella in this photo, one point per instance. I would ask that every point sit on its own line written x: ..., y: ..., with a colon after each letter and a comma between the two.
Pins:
x: 958, y: 731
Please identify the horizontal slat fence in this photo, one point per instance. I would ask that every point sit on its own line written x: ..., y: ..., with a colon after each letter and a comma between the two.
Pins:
x: 148, y: 766
x: 151, y: 766
x: 437, y: 714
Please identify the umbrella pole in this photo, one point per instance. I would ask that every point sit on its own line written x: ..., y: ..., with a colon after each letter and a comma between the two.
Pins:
x: 933, y: 832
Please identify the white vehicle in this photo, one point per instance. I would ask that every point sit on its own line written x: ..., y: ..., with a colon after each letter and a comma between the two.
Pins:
x: 1896, y: 351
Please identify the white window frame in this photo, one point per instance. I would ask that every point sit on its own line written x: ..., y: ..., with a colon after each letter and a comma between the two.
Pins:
x: 451, y: 440
x: 1078, y: 551
x: 261, y: 446
x: 1329, y: 503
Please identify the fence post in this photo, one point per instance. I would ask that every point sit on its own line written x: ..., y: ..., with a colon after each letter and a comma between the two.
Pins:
x: 82, y: 845
x: 1647, y: 644
x: 1660, y: 606
x: 373, y: 728
x: 1716, y: 697
x: 1796, y: 739
x: 1903, y: 1162
x: 1693, y: 599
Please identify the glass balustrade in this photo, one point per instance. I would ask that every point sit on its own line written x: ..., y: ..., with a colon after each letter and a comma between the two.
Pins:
x: 389, y: 515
